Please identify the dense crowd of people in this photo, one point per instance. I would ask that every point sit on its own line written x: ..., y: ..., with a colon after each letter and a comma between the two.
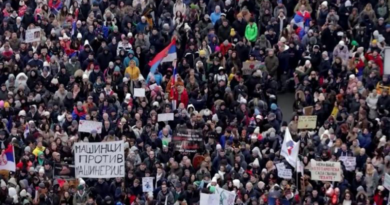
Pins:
x: 234, y: 58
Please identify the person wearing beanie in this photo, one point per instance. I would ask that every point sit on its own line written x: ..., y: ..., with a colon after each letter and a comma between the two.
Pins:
x: 79, y: 112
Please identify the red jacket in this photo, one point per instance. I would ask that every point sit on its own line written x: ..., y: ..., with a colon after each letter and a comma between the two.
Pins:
x: 183, y: 97
x: 377, y: 60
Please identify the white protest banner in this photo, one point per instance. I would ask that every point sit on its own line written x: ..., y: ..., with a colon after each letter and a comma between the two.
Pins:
x: 99, y: 160
x: 139, y: 92
x: 349, y: 162
x: 88, y: 126
x: 33, y: 35
x: 208, y: 199
x: 147, y: 184
x: 165, y: 117
x: 283, y: 172
x: 225, y: 197
x: 386, y: 181
x: 307, y: 122
x: 325, y: 171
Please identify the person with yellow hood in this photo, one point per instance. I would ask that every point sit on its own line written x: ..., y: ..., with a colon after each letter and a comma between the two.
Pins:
x: 132, y: 70
x: 38, y: 148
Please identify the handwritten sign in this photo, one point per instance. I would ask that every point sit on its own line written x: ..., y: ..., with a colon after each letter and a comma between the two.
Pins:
x: 283, y: 172
x: 99, y: 160
x: 33, y: 35
x: 325, y: 171
x: 139, y: 92
x: 349, y: 162
x: 308, y: 110
x: 248, y: 67
x: 147, y: 184
x: 307, y: 122
x: 88, y: 126
x: 163, y: 117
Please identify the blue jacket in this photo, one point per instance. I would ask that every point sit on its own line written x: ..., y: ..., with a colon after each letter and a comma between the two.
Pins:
x: 364, y: 140
x: 141, y: 26
x: 157, y: 77
x: 127, y: 60
x: 215, y: 17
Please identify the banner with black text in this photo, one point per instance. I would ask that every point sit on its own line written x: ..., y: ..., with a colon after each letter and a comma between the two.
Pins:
x: 99, y: 160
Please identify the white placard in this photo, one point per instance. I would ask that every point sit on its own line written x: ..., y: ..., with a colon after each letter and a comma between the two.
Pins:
x: 147, y: 184
x: 325, y: 171
x: 283, y: 172
x: 33, y: 35
x: 99, y: 160
x: 386, y: 66
x: 139, y: 92
x: 386, y: 181
x: 349, y: 162
x: 88, y: 126
x: 208, y: 199
x: 163, y: 117
x: 225, y: 197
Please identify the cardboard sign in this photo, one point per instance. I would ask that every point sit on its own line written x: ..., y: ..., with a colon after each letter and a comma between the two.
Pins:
x: 308, y: 110
x: 386, y: 181
x: 88, y: 125
x: 163, y: 117
x: 139, y: 92
x: 99, y: 160
x: 349, y: 162
x: 33, y: 35
x: 248, y: 67
x: 307, y: 122
x: 283, y: 172
x: 325, y: 171
x: 147, y: 184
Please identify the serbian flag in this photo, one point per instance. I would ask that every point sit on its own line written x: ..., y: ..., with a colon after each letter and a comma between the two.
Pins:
x: 302, y: 19
x: 55, y: 7
x: 168, y: 54
x: 7, y: 159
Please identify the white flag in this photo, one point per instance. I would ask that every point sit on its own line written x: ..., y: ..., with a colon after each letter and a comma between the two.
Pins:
x: 300, y: 166
x: 290, y: 149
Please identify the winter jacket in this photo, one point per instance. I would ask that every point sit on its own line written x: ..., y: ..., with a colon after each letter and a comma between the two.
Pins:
x: 134, y: 72
x: 251, y: 32
x: 272, y: 64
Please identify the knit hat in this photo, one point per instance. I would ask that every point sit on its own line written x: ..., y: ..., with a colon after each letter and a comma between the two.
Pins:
x: 6, y: 105
x: 117, y: 69
x: 348, y: 3
x: 27, y: 148
x: 232, y: 32
x: 41, y: 170
x: 23, y: 193
x: 202, y: 52
x: 54, y: 81
x: 236, y: 183
x: 354, y: 43
x: 274, y: 106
